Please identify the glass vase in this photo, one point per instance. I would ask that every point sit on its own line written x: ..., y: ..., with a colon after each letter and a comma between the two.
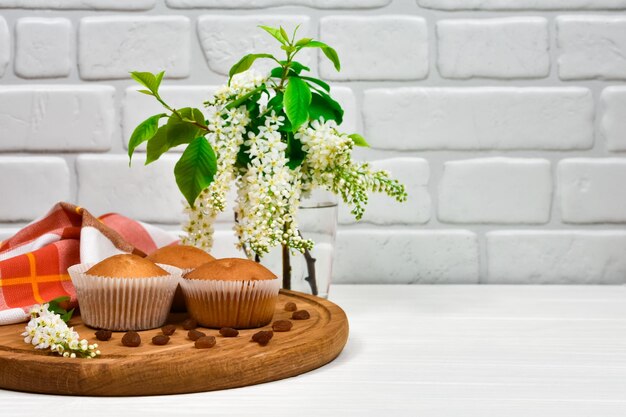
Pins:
x: 311, y: 272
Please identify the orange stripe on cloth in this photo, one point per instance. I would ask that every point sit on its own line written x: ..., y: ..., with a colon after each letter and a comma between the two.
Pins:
x: 28, y: 280
x: 33, y: 277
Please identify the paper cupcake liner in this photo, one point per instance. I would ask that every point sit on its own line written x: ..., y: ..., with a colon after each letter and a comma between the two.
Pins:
x: 236, y: 304
x: 124, y: 303
x: 178, y: 303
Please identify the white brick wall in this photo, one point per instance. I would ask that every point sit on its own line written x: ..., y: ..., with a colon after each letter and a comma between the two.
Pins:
x: 43, y: 47
x: 479, y: 118
x: 592, y: 47
x: 493, y: 48
x: 495, y: 190
x: 47, y: 180
x: 56, y: 117
x: 111, y: 46
x: 398, y: 51
x: 504, y: 118
x: 592, y: 190
x: 225, y: 39
x: 5, y: 46
x: 613, y: 118
x: 556, y: 257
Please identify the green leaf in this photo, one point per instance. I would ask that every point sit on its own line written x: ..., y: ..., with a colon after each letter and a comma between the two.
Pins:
x: 242, y: 99
x: 246, y: 62
x: 276, y: 33
x: 304, y: 41
x: 146, y: 92
x: 195, y: 169
x: 359, y: 140
x: 158, y: 145
x: 294, y: 152
x: 328, y: 51
x: 55, y: 307
x: 296, y: 101
x: 176, y: 132
x: 149, y: 80
x: 323, y: 105
x: 318, y: 82
x: 143, y: 132
x: 276, y: 102
x: 320, y: 108
x: 284, y: 34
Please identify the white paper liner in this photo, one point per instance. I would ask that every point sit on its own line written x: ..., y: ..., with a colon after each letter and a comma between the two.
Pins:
x: 124, y: 303
x: 236, y: 304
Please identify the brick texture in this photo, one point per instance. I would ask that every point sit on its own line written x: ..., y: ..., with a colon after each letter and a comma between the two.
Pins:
x: 110, y: 47
x: 5, y: 46
x: 398, y: 51
x: 225, y: 39
x: 556, y: 257
x: 47, y: 180
x: 592, y: 190
x: 493, y: 48
x: 43, y: 47
x: 479, y: 118
x: 592, y: 47
x: 495, y: 190
x: 56, y: 117
x: 613, y: 118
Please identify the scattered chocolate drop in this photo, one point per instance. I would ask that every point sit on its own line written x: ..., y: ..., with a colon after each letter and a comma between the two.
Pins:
x: 190, y: 324
x: 160, y: 340
x: 282, y: 325
x: 301, y: 315
x: 131, y: 339
x: 104, y: 335
x: 263, y: 337
x: 205, y: 342
x: 195, y: 334
x: 229, y: 332
x: 168, y: 329
x: 290, y: 306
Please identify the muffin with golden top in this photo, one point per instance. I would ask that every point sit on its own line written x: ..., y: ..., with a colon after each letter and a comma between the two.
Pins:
x: 124, y: 292
x: 184, y: 257
x: 231, y: 292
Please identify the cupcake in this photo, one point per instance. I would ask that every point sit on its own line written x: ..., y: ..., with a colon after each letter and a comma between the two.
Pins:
x: 231, y: 292
x: 124, y: 292
x: 184, y: 257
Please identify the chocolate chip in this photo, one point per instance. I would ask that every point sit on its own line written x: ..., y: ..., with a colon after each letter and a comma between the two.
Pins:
x: 290, y: 306
x: 205, y: 342
x: 195, y: 334
x: 168, y: 329
x: 160, y: 340
x: 229, y: 332
x: 190, y: 324
x: 131, y: 339
x: 104, y: 335
x: 263, y: 337
x: 282, y: 325
x: 301, y: 315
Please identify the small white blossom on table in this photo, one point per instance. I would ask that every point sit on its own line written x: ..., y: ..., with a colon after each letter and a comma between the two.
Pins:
x: 46, y: 330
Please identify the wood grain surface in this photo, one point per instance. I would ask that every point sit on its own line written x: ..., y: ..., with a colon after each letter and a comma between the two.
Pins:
x: 178, y: 367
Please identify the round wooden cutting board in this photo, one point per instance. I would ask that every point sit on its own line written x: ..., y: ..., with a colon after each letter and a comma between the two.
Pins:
x: 178, y: 367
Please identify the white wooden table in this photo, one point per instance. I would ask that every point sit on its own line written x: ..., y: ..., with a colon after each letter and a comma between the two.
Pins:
x: 502, y: 351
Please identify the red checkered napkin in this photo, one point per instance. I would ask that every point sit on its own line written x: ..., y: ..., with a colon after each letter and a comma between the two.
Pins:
x: 34, y: 262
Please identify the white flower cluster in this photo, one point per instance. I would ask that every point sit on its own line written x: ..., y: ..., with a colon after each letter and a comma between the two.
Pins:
x: 240, y: 85
x: 268, y: 194
x: 46, y: 330
x: 329, y: 165
x: 226, y: 134
x: 269, y: 190
x: 227, y: 129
